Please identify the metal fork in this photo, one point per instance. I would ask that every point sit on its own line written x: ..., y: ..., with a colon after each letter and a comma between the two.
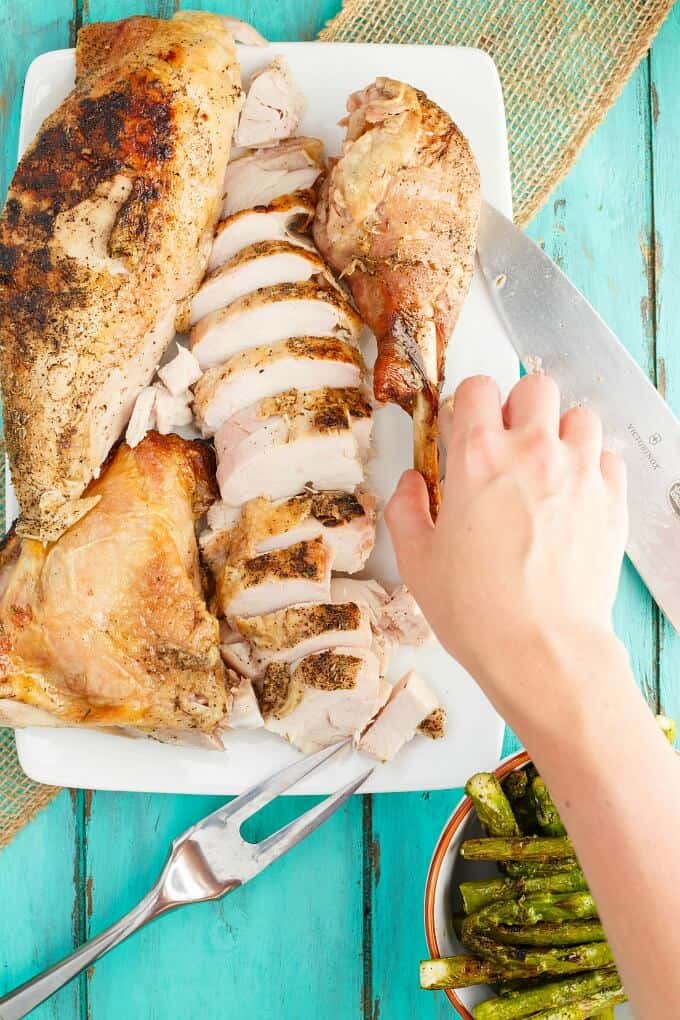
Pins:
x: 206, y: 862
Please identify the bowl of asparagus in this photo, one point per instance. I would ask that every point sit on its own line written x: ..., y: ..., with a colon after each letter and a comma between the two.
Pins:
x: 511, y: 926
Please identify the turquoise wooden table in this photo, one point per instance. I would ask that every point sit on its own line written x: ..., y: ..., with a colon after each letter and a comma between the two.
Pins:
x: 336, y: 930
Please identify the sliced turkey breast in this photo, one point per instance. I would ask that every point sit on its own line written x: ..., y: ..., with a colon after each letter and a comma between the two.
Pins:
x: 273, y: 107
x: 265, y: 174
x: 281, y: 220
x: 397, y: 617
x: 296, y: 440
x: 323, y: 697
x: 296, y: 631
x: 411, y: 701
x: 308, y: 363
x: 366, y: 591
x: 300, y: 573
x: 272, y: 314
x: 245, y: 710
x: 346, y: 523
x: 238, y: 656
x: 180, y: 373
x: 172, y: 413
x: 263, y: 264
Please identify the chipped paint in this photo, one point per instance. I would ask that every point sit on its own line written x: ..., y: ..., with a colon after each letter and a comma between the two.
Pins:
x: 655, y: 104
x: 374, y: 858
x: 661, y: 376
x: 88, y: 895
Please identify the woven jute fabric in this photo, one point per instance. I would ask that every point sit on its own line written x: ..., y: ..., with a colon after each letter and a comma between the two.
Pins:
x: 562, y: 64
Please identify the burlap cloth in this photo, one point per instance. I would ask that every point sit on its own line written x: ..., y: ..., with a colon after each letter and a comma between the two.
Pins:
x: 562, y: 64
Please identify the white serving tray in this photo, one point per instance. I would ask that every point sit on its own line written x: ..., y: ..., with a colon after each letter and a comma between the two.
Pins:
x: 465, y: 83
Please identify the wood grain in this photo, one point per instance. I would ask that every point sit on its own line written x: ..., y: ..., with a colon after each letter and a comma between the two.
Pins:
x: 665, y: 265
x: 336, y: 931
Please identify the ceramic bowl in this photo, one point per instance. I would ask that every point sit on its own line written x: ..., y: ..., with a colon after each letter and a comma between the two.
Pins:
x: 442, y: 899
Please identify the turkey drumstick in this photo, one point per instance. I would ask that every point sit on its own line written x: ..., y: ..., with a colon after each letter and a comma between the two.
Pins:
x: 397, y: 218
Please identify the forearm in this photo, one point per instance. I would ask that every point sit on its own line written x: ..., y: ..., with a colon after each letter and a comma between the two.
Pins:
x: 616, y: 782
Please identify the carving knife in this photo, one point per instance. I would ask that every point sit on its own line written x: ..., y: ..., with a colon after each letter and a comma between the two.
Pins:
x: 554, y: 329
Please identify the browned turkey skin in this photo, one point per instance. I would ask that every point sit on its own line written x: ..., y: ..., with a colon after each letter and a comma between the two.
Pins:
x: 103, y: 241
x: 108, y: 626
x: 397, y: 218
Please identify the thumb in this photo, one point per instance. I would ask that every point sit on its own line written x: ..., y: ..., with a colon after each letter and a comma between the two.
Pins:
x: 408, y: 518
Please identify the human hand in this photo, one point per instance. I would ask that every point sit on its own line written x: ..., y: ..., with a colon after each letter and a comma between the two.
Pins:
x: 530, y: 538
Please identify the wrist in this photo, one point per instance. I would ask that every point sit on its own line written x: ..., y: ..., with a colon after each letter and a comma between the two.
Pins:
x: 551, y: 685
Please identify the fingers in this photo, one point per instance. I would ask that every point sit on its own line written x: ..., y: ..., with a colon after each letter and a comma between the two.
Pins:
x: 408, y: 518
x: 613, y: 469
x: 535, y: 400
x: 476, y: 403
x: 581, y: 429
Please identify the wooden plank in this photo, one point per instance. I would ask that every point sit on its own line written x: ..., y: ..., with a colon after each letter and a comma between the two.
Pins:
x: 39, y: 871
x: 39, y: 893
x: 602, y: 208
x: 664, y: 262
x: 285, y: 20
x: 288, y: 945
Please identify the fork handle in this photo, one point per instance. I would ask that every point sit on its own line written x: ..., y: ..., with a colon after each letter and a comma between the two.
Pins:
x: 22, y: 1000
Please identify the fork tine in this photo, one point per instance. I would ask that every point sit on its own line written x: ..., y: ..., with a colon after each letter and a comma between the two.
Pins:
x: 258, y: 796
x: 290, y: 835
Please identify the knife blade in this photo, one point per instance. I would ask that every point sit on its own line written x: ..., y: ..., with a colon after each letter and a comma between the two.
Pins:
x: 555, y: 330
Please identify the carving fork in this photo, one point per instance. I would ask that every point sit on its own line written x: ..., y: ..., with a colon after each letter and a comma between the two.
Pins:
x: 206, y: 862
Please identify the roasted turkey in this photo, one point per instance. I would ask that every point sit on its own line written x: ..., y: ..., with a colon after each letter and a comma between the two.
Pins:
x: 108, y: 626
x: 104, y: 239
x: 397, y: 218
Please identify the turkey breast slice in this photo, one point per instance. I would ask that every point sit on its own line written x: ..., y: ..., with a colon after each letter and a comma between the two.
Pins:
x: 271, y: 314
x: 346, y: 522
x: 273, y: 107
x: 317, y: 439
x: 397, y: 617
x: 411, y: 701
x: 323, y: 697
x: 265, y: 174
x: 291, y: 633
x: 308, y: 363
x: 263, y: 264
x: 300, y: 573
x: 281, y: 220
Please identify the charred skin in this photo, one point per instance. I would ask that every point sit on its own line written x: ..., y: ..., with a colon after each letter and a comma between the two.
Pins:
x: 150, y: 116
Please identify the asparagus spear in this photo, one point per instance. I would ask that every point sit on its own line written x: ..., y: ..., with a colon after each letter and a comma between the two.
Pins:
x: 668, y: 726
x: 560, y: 960
x: 552, y: 907
x: 462, y: 971
x: 516, y: 785
x: 536, y: 869
x: 518, y: 848
x: 493, y: 890
x: 545, y: 933
x: 547, y: 906
x: 536, y: 921
x: 493, y: 807
x: 525, y: 1003
x: 586, y: 1007
x: 549, y: 820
